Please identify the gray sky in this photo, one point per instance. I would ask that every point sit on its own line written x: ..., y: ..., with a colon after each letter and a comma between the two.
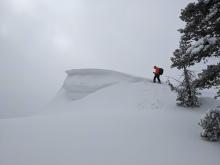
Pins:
x: 40, y: 39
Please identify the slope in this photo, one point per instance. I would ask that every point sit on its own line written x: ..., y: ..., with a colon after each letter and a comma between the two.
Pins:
x: 130, y: 122
x: 82, y: 82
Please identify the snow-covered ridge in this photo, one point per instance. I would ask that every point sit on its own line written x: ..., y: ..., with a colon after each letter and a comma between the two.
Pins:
x: 131, y: 121
x: 82, y: 82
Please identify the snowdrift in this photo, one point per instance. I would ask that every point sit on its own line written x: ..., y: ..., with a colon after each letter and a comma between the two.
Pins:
x: 82, y: 82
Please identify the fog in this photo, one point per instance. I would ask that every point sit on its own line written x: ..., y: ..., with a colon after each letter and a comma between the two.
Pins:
x: 40, y: 39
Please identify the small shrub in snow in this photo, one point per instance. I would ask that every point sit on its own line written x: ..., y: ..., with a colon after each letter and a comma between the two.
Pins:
x: 187, y: 94
x: 210, y: 122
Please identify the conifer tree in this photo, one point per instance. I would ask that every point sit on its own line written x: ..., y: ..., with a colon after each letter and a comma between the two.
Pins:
x: 187, y: 94
x: 203, y: 37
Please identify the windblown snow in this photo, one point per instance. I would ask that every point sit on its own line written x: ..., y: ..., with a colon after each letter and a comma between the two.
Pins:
x: 82, y: 82
x: 102, y: 117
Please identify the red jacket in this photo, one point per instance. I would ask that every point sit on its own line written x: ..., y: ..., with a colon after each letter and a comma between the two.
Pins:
x: 157, y: 70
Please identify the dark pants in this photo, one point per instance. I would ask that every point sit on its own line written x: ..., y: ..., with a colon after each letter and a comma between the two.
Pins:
x: 156, y: 76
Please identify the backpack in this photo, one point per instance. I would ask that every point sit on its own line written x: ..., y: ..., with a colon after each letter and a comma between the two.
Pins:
x: 161, y: 71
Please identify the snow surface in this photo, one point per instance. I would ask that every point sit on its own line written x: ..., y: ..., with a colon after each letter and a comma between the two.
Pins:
x: 119, y: 120
x: 81, y: 82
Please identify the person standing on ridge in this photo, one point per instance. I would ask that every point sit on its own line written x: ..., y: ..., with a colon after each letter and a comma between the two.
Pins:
x: 157, y: 72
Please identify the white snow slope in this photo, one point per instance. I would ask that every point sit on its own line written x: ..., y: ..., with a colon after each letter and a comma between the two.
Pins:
x: 81, y: 82
x: 109, y: 118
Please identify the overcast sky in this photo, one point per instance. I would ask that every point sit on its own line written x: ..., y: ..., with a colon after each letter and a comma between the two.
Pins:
x: 40, y: 39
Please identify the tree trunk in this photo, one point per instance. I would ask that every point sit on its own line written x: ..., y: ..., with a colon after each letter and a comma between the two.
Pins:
x: 187, y: 80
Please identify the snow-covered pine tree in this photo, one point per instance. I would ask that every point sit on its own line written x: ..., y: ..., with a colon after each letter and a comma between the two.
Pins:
x: 209, y: 77
x: 187, y: 94
x: 210, y: 123
x: 203, y: 35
